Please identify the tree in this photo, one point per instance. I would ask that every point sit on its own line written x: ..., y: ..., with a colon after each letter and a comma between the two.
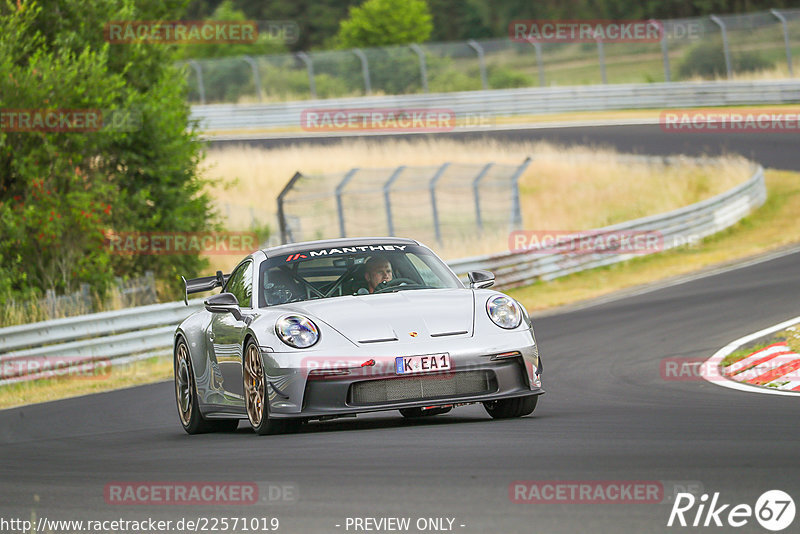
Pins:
x: 386, y: 22
x: 61, y: 190
x: 226, y: 11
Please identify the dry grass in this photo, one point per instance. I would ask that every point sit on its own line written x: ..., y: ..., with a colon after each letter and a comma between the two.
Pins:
x: 137, y: 373
x: 563, y: 188
x: 772, y: 226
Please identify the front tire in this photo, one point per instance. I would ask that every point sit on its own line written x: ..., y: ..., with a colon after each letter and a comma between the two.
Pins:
x: 507, y: 408
x: 256, y: 402
x: 189, y: 414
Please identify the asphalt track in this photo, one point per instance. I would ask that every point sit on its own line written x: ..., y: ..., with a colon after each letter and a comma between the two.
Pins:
x: 771, y: 149
x: 608, y: 415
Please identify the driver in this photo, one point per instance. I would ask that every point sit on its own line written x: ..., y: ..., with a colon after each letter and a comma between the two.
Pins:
x: 377, y: 269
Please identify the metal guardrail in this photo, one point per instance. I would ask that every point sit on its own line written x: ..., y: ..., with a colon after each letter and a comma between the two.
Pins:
x: 487, y: 105
x: 135, y: 333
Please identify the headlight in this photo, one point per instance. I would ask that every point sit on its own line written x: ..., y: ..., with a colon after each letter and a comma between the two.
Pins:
x: 297, y: 331
x: 504, y: 312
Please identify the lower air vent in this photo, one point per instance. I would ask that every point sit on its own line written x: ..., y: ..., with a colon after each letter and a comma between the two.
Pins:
x: 422, y: 387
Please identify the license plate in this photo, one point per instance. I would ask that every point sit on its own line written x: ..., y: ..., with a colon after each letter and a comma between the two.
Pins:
x: 428, y: 363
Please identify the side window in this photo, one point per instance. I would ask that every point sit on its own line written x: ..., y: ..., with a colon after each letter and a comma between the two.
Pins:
x: 241, y: 284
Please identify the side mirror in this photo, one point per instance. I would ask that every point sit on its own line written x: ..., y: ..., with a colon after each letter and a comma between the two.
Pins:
x: 224, y: 303
x: 480, y: 279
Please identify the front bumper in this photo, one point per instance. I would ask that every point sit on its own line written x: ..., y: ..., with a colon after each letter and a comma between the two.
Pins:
x: 364, y: 380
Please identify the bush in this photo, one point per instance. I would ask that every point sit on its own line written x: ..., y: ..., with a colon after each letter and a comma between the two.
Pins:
x: 707, y: 60
x: 502, y: 78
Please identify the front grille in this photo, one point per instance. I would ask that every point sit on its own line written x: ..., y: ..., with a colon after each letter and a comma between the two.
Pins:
x: 422, y: 387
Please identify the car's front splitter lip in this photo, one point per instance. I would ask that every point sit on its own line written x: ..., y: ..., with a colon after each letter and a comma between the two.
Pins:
x: 353, y: 410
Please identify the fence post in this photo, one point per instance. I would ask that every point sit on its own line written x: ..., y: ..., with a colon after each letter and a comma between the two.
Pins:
x: 256, y: 77
x: 151, y: 287
x: 539, y: 63
x: 387, y: 200
x: 516, y: 211
x: 50, y: 303
x: 781, y: 18
x: 86, y: 297
x: 364, y: 71
x: 664, y: 49
x: 285, y: 237
x: 481, y: 61
x: 423, y: 68
x: 200, y: 87
x: 305, y: 58
x: 476, y: 184
x: 602, y: 57
x: 432, y: 187
x: 339, y: 207
x: 726, y: 49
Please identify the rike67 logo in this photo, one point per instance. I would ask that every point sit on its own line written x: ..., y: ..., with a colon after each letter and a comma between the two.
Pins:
x: 774, y: 510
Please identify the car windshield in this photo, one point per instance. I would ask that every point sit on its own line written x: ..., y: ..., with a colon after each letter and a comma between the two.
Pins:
x: 357, y: 270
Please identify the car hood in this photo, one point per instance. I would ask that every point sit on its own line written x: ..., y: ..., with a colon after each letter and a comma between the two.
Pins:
x: 407, y: 316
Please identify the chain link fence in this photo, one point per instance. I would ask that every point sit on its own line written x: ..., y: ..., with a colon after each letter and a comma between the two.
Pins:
x: 431, y: 203
x: 693, y: 48
x: 125, y: 293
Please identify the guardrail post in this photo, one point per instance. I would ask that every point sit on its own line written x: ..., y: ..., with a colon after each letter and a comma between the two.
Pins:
x: 339, y: 207
x: 602, y: 58
x: 198, y: 70
x: 286, y: 236
x: 386, y: 187
x: 781, y: 18
x: 423, y: 69
x: 364, y: 71
x: 432, y: 187
x: 481, y: 61
x: 256, y: 78
x: 305, y: 58
x: 476, y: 183
x: 726, y: 49
x: 664, y: 49
x: 516, y: 211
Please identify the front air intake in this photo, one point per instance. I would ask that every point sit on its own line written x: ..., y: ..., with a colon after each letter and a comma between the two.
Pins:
x: 409, y: 388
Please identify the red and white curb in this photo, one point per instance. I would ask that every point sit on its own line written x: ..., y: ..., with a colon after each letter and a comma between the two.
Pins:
x: 775, y: 364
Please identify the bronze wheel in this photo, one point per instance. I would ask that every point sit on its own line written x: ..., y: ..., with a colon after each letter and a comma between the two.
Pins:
x: 254, y: 389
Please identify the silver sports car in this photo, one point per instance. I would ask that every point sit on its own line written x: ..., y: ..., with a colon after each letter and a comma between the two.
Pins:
x: 334, y: 328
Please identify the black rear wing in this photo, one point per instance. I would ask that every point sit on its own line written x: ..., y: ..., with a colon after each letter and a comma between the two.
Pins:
x: 202, y: 284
